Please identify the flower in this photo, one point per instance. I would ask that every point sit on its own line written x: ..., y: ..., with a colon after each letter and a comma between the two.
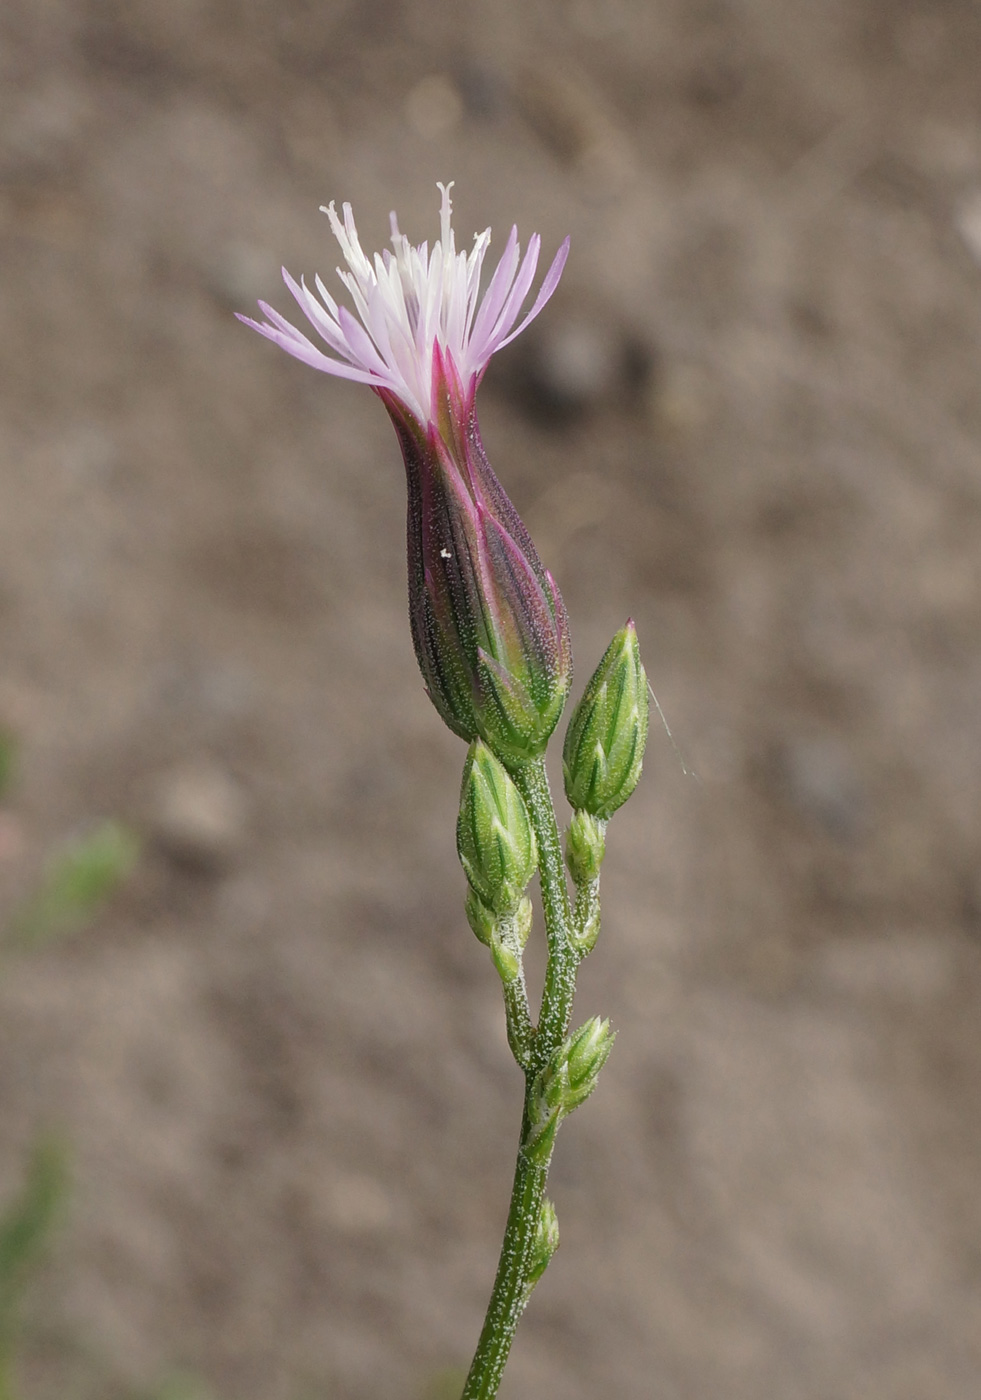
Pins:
x: 488, y: 623
x: 410, y: 304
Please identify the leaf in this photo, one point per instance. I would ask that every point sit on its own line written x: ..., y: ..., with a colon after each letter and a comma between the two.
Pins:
x: 79, y: 881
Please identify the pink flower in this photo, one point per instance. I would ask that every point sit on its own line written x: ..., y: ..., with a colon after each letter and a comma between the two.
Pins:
x: 488, y: 623
x: 409, y: 303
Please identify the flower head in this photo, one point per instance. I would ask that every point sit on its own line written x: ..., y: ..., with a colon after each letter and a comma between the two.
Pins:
x: 488, y: 624
x: 490, y: 630
x: 411, y: 302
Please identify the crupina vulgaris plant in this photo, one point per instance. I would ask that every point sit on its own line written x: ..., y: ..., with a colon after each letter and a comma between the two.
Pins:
x: 491, y: 636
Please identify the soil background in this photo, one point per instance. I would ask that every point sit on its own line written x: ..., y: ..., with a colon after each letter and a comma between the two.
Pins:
x: 751, y: 419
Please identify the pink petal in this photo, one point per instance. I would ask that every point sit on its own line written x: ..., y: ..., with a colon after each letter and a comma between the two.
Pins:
x: 301, y: 349
x: 495, y: 295
x: 361, y: 346
x: 545, y: 291
x: 522, y: 285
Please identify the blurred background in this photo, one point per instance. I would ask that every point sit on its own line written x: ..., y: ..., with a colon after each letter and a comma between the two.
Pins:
x: 751, y: 419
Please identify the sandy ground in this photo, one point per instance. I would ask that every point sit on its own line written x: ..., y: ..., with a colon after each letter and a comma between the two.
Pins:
x: 752, y: 420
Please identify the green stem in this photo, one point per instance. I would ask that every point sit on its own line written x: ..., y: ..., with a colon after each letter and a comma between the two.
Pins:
x: 521, y: 1033
x: 527, y: 1194
x: 510, y: 1291
x: 560, y: 973
x: 586, y: 917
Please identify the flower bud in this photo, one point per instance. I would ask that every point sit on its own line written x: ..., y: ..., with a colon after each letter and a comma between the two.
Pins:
x: 604, y: 744
x: 585, y: 847
x: 588, y: 1051
x: 494, y: 836
x: 546, y: 1243
x: 482, y: 920
x: 505, y: 934
x: 541, y: 1132
x: 566, y: 1081
x: 505, y: 959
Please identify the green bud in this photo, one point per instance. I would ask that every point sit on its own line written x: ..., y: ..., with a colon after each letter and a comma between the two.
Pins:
x: 566, y: 1081
x: 585, y: 847
x: 588, y: 1051
x: 541, y: 1133
x: 546, y: 1243
x: 482, y: 920
x: 604, y: 744
x: 494, y: 836
x: 504, y: 934
x: 506, y: 961
x: 510, y: 936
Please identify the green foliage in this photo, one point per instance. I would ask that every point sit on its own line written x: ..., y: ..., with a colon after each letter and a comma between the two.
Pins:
x: 25, y: 1227
x: 77, y: 883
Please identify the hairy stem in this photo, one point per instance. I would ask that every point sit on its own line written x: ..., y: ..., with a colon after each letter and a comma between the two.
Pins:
x: 560, y: 973
x: 586, y: 917
x: 521, y: 1033
x: 527, y: 1194
x: 510, y: 1286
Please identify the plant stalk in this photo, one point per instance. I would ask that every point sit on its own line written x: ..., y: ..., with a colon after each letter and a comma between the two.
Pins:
x: 510, y: 1291
x: 510, y: 1286
x: 531, y: 780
